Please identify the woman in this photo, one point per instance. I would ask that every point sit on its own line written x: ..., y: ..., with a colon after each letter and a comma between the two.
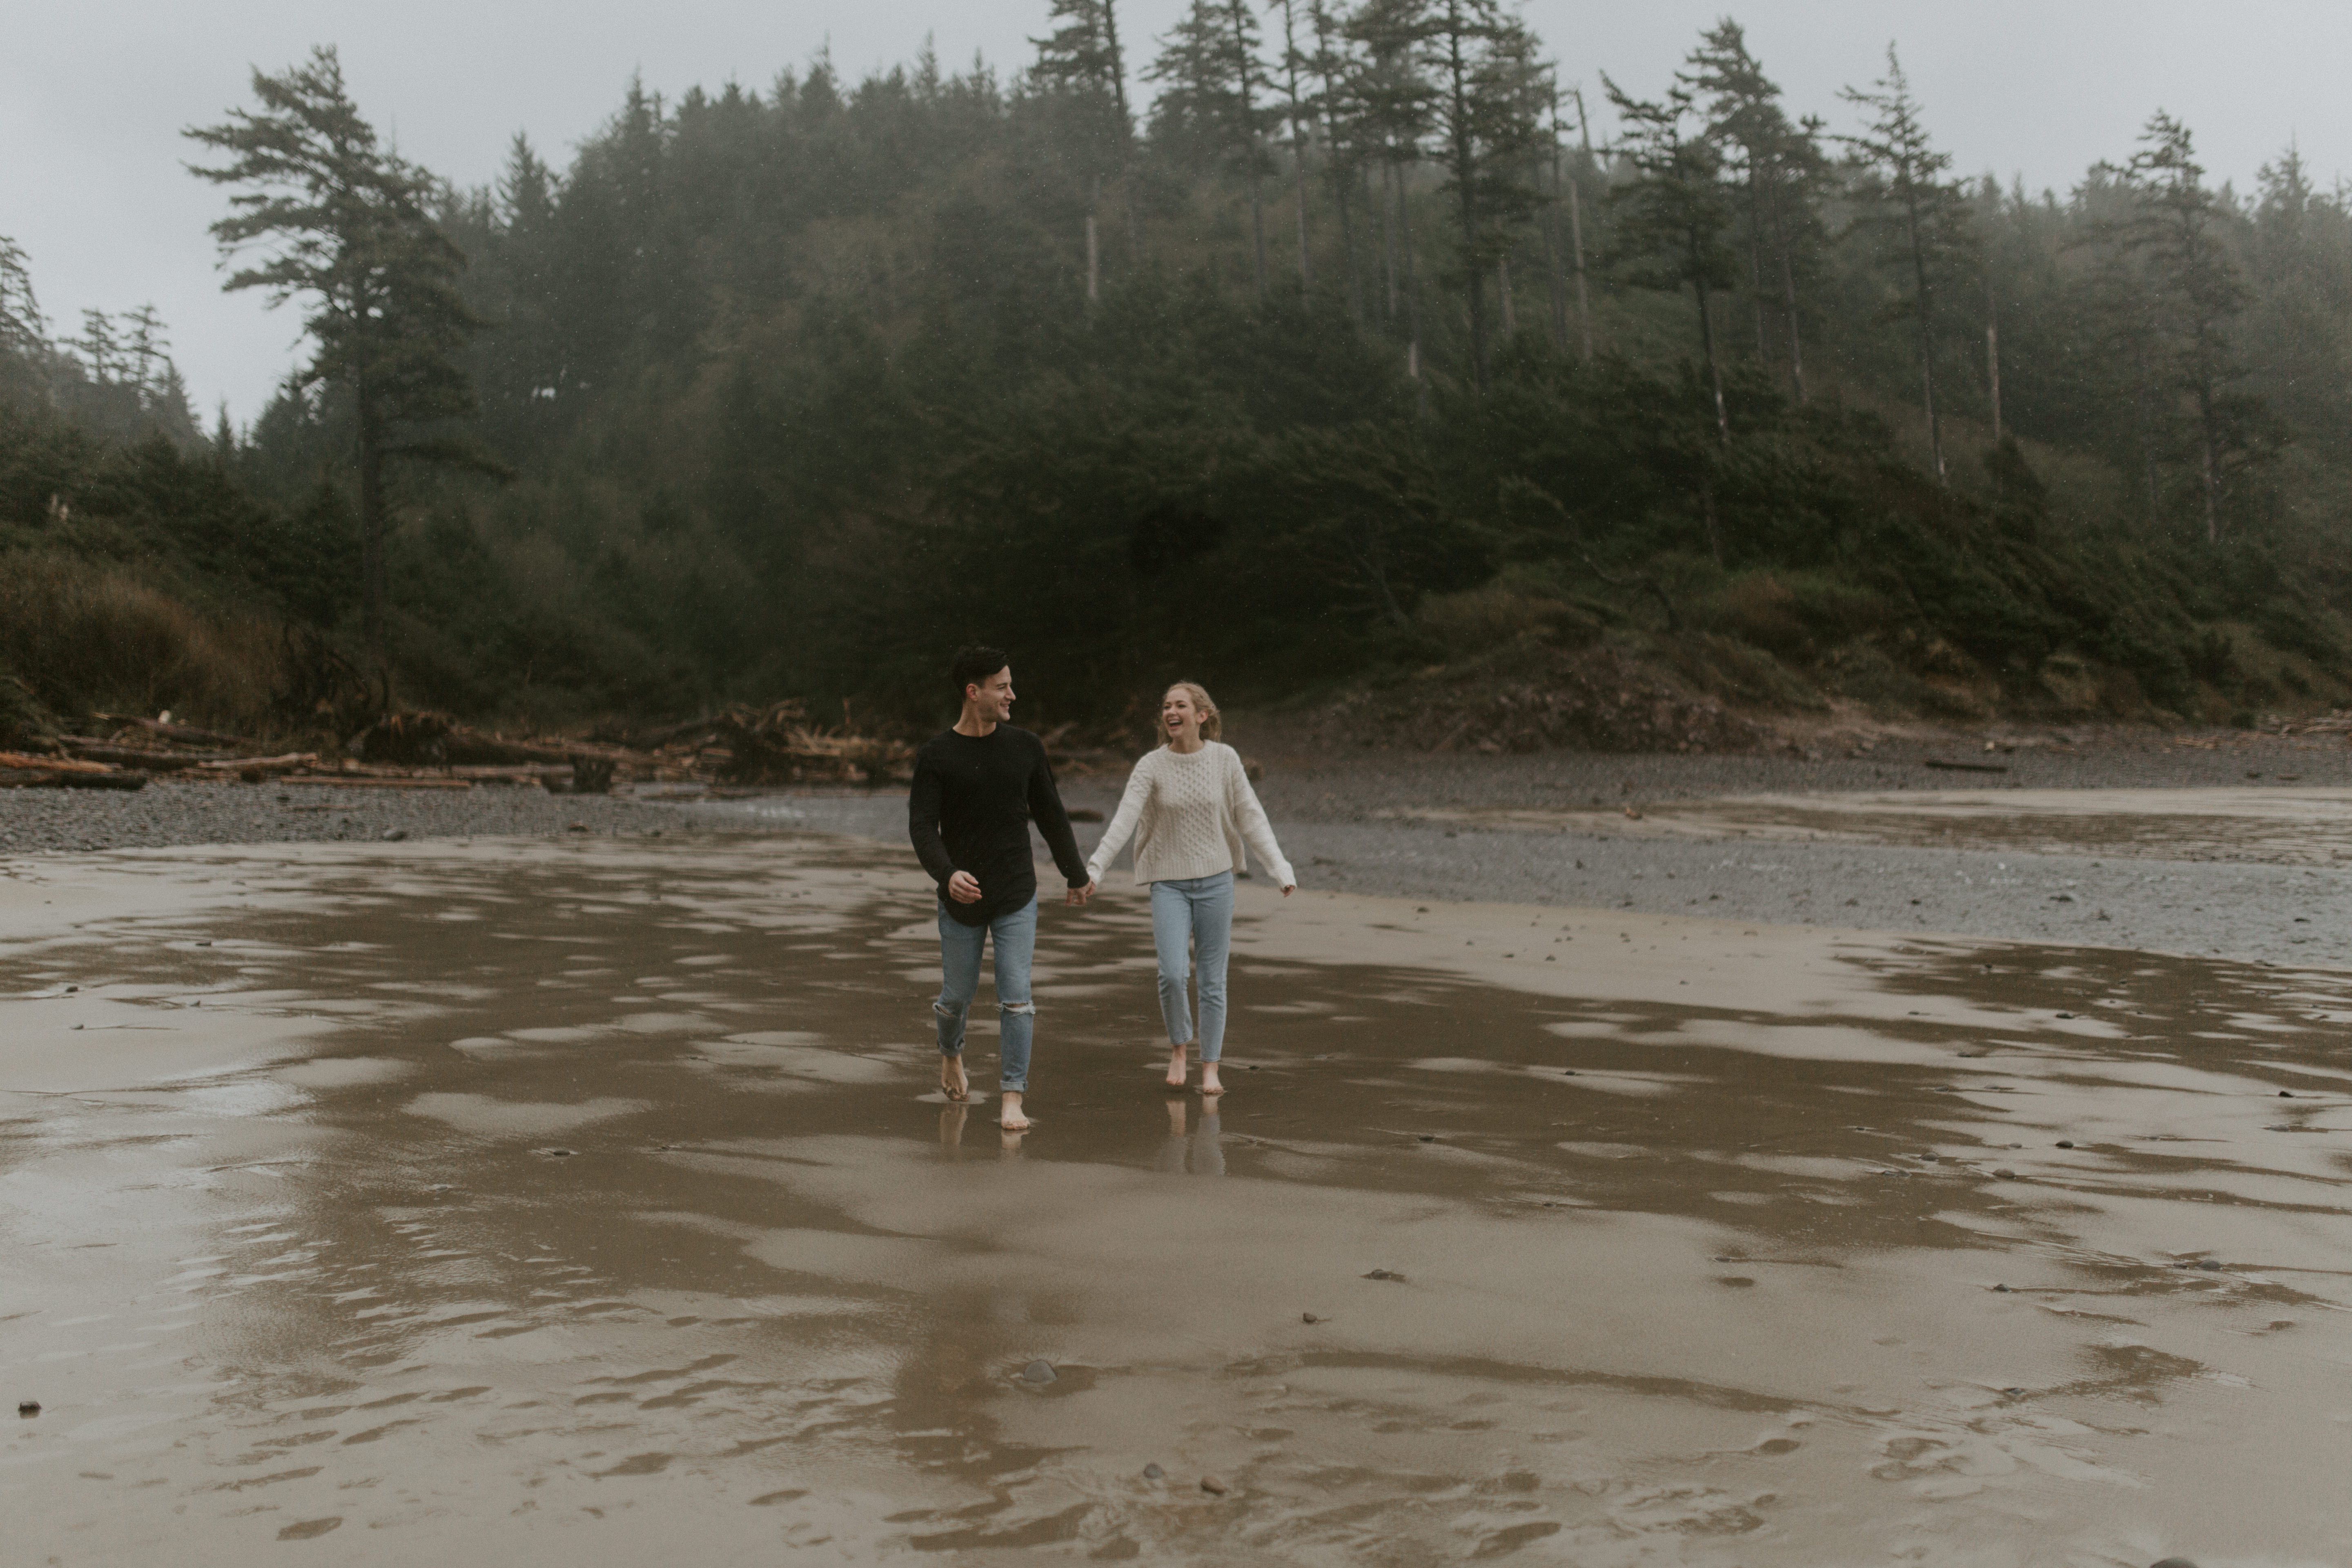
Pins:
x: 1189, y: 807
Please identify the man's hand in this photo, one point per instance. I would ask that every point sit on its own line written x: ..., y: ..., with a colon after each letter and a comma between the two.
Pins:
x: 964, y: 888
x: 1076, y: 896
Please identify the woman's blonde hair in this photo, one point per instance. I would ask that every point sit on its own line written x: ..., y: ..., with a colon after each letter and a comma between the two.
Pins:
x: 1212, y: 726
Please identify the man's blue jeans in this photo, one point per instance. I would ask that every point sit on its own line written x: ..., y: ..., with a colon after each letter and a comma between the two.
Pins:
x: 1016, y: 943
x: 1200, y: 910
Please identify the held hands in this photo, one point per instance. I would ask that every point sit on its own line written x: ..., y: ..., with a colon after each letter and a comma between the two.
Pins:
x: 964, y: 887
x: 1077, y: 896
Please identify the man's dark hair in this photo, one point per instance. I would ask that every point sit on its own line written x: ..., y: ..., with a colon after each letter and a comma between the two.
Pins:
x: 974, y: 665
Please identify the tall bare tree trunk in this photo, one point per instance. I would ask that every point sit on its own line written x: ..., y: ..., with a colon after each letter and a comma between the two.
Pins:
x: 1093, y: 264
x: 372, y: 528
x: 2212, y: 463
x: 1713, y: 368
x: 1306, y: 260
x: 1926, y: 341
x: 1992, y: 373
x: 1390, y: 199
x: 1341, y: 189
x: 1502, y: 293
x: 1576, y: 243
x: 1789, y: 304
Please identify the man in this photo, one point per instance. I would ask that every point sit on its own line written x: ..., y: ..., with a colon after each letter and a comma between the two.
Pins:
x: 977, y: 788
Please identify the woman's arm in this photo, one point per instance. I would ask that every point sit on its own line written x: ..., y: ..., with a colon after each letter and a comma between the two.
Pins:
x: 1122, y: 821
x: 1257, y: 831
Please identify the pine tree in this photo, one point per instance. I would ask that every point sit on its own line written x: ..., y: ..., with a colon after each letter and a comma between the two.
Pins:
x: 345, y: 225
x: 1781, y: 169
x: 1393, y: 95
x: 1673, y: 213
x: 1082, y: 58
x: 2178, y: 231
x: 1912, y: 196
x: 1209, y: 62
x: 1489, y: 121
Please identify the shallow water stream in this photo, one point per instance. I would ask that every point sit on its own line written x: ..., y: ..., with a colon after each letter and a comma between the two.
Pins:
x: 595, y: 1201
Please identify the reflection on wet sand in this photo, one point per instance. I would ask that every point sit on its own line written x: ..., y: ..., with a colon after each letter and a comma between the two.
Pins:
x: 566, y: 1203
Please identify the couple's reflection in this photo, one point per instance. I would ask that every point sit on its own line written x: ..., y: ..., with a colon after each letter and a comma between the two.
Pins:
x: 951, y: 1122
x: 1197, y: 1153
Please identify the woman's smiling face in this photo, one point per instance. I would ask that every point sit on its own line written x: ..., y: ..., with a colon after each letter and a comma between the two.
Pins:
x: 1180, y: 721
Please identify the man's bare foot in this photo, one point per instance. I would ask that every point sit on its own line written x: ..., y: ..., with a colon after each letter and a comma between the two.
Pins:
x: 1209, y: 1083
x: 1010, y: 1117
x: 1175, y: 1067
x: 952, y: 1081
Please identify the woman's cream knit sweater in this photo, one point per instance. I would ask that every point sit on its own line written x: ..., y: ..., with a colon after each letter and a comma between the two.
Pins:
x: 1189, y: 815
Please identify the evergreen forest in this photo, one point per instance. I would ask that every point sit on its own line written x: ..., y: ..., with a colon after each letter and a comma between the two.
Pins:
x: 1318, y: 346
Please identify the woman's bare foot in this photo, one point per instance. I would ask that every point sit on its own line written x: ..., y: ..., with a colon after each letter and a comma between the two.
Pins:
x: 1009, y: 1118
x: 952, y: 1081
x: 1175, y: 1067
x: 1209, y: 1083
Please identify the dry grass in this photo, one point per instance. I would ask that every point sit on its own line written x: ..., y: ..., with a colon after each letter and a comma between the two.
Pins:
x: 90, y: 637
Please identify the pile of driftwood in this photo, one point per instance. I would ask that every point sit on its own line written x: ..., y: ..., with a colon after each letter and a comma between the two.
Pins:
x: 743, y: 747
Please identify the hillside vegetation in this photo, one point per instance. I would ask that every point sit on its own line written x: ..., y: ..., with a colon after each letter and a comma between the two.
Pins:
x: 1314, y: 378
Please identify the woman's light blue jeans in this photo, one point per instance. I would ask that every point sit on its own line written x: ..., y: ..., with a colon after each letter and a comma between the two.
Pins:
x: 1198, y: 911
x: 1016, y: 943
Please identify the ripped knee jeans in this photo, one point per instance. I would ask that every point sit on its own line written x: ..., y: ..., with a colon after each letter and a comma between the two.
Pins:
x: 1016, y: 936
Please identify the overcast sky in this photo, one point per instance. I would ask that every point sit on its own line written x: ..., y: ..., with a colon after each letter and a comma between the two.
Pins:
x: 93, y: 95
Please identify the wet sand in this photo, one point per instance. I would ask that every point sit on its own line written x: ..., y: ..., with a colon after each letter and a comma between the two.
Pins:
x: 592, y: 1201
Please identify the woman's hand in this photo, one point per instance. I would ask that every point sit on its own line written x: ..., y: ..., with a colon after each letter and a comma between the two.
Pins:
x: 964, y: 887
x: 1289, y: 889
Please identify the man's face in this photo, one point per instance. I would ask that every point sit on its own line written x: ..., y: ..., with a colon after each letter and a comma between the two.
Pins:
x: 993, y: 697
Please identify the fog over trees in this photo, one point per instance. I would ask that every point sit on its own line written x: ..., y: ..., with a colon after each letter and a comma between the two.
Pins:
x: 1341, y: 348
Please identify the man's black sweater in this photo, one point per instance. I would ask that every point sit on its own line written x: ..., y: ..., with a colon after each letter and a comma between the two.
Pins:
x: 970, y: 810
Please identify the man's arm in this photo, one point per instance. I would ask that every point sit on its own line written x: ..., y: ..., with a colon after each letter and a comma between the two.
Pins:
x: 923, y: 821
x: 1053, y: 820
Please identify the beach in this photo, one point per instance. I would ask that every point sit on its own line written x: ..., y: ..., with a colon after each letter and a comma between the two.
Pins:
x: 570, y: 1196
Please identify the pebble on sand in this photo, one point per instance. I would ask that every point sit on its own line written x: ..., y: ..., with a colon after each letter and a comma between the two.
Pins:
x: 1383, y: 1274
x: 394, y: 834
x: 2065, y: 1143
x: 1213, y: 1486
x: 1039, y: 1372
x: 29, y: 1408
x: 1152, y: 1472
x: 1308, y: 1318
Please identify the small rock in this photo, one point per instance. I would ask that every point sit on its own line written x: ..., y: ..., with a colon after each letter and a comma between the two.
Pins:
x: 394, y: 834
x: 2208, y: 1264
x: 2013, y: 1393
x: 2062, y: 898
x: 2005, y: 1175
x: 2003, y: 1289
x: 2285, y: 1095
x: 1383, y: 1274
x: 208, y: 942
x: 2064, y: 1143
x: 1213, y: 1486
x: 2065, y: 1014
x: 1039, y: 1372
x: 561, y: 1153
x: 1152, y: 1472
x: 29, y: 1408
x: 1429, y: 1137
x: 1308, y: 1318
x: 1568, y: 1072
